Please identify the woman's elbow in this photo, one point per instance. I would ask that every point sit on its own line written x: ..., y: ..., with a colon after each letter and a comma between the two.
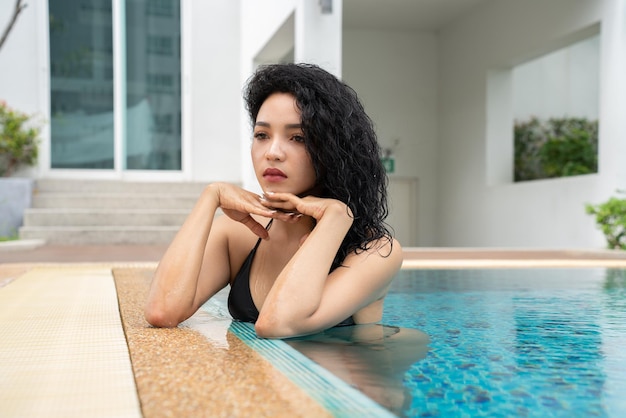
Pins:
x: 159, y: 318
x: 266, y: 328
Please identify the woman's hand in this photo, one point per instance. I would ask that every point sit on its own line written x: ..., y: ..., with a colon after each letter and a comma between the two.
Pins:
x: 294, y: 206
x: 239, y: 204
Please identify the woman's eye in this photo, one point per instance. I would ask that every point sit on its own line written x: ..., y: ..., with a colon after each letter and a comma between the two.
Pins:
x: 260, y: 135
x: 298, y: 138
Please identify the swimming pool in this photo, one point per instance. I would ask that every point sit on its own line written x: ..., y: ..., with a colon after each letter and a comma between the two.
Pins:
x: 519, y: 342
x: 503, y: 342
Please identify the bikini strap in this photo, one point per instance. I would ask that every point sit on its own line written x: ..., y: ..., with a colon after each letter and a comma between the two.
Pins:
x: 267, y: 228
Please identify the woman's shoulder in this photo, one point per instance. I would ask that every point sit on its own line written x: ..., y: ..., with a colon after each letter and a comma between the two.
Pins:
x: 386, y: 247
x: 385, y: 252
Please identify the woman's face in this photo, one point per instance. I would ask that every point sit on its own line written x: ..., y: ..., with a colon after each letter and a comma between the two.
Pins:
x: 281, y: 161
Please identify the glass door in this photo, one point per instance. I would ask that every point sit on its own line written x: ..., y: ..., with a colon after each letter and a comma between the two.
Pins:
x: 115, y: 79
x: 153, y: 85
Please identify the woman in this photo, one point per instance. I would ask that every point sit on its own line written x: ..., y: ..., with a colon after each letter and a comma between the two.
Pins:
x: 312, y: 251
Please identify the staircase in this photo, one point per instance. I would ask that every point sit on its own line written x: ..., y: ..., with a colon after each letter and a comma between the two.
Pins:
x: 101, y: 212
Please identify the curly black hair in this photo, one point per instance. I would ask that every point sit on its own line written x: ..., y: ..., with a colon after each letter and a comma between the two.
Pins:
x: 340, y: 138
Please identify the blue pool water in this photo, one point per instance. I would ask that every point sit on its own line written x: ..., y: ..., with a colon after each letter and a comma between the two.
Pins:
x: 519, y: 342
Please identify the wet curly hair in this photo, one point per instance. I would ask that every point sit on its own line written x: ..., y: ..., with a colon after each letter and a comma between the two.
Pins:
x: 340, y: 139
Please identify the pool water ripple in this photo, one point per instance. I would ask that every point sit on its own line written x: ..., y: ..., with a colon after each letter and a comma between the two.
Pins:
x: 536, y: 343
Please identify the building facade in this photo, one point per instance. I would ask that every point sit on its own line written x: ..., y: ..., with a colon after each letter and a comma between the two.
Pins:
x: 151, y: 91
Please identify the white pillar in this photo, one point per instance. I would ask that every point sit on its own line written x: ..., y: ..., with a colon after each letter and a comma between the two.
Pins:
x: 612, y: 152
x: 318, y: 34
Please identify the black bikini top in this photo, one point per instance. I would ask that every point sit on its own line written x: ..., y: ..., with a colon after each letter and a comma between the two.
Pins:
x: 240, y: 303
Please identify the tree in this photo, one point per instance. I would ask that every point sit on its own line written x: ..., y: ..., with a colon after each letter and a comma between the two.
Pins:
x: 16, y: 12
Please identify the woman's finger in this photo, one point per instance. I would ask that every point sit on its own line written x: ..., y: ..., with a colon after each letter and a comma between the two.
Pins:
x: 280, y: 206
x: 255, y: 227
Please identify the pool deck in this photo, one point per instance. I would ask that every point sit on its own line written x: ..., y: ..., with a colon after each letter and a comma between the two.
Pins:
x: 73, y: 341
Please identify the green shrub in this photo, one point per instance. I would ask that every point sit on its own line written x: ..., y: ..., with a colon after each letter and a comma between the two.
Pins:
x: 529, y: 137
x: 18, y: 142
x: 611, y: 219
x: 569, y: 155
x: 557, y: 147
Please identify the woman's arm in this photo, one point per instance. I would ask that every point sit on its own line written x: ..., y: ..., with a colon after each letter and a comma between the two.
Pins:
x: 196, y: 264
x: 304, y: 298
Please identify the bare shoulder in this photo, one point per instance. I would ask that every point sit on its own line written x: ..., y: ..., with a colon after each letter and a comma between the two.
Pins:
x: 374, y: 268
x: 384, y: 253
x: 372, y: 272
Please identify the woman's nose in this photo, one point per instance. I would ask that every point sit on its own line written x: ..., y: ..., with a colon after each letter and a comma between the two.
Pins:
x: 275, y: 151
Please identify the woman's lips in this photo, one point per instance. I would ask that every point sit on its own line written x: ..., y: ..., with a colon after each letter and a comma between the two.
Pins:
x: 274, y: 175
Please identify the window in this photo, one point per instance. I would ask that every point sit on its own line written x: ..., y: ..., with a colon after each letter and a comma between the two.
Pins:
x: 555, y: 110
x: 84, y: 106
x: 542, y: 115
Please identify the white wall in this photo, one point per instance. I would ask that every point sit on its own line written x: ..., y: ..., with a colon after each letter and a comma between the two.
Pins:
x: 544, y: 213
x: 564, y: 83
x: 318, y: 36
x: 215, y: 90
x: 396, y: 76
x: 613, y: 100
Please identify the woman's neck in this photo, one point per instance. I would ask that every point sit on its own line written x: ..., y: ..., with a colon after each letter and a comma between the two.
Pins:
x: 292, y: 230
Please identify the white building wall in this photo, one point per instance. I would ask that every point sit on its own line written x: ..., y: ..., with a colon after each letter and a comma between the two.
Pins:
x: 544, y: 213
x: 564, y: 83
x: 427, y: 95
x: 318, y: 36
x: 396, y: 76
x: 214, y: 87
x: 612, y: 152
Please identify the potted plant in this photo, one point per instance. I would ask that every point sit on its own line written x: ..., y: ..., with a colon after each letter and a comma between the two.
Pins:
x: 19, y: 145
x: 610, y: 217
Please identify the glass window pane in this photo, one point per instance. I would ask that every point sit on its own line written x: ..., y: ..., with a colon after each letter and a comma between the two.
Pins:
x: 81, y: 79
x: 153, y: 86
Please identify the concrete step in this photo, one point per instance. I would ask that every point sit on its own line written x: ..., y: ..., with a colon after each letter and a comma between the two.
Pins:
x: 103, y: 217
x: 108, y: 211
x: 117, y: 186
x: 101, y: 235
x: 114, y: 201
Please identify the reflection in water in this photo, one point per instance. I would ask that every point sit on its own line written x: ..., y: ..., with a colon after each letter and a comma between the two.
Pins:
x: 212, y: 320
x: 615, y: 280
x: 212, y: 327
x: 373, y: 358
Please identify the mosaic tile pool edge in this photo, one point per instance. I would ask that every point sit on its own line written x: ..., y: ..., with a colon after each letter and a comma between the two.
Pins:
x: 339, y: 398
